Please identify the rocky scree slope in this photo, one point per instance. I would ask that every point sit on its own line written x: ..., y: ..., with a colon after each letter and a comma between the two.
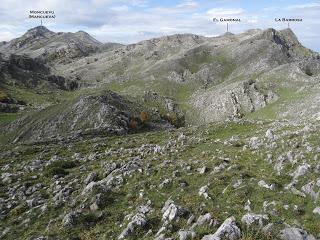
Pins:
x: 246, y: 180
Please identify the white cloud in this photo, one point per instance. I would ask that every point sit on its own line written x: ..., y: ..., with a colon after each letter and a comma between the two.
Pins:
x: 6, y: 36
x: 304, y: 6
x: 189, y: 4
x: 122, y: 8
x: 222, y: 12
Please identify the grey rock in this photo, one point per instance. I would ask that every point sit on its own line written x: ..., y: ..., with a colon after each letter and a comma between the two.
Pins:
x: 219, y: 168
x: 110, y: 167
x: 310, y: 189
x: 98, y: 187
x: 144, y: 209
x: 98, y: 201
x: 171, y: 211
x: 227, y: 231
x: 301, y: 171
x: 270, y: 135
x: 91, y: 177
x: 191, y: 219
x: 297, y: 192
x: 263, y: 184
x: 70, y: 219
x: 316, y: 211
x: 161, y: 231
x: 254, y: 219
x: 202, y: 170
x: 186, y: 235
x: 203, y: 191
x: 295, y: 234
x: 205, y: 219
x: 40, y: 238
x: 247, y: 206
x: 255, y: 143
x: 137, y: 221
x: 165, y: 183
x: 268, y: 229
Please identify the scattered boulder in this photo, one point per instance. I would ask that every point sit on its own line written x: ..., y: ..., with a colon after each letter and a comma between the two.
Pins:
x: 316, y: 211
x: 97, y: 187
x: 204, y: 219
x: 254, y: 219
x: 203, y: 191
x: 144, y: 209
x: 270, y: 135
x: 263, y: 184
x: 227, y: 231
x: 186, y: 235
x: 292, y: 233
x: 91, y: 177
x: 301, y: 171
x: 70, y: 219
x: 137, y: 221
x: 255, y: 143
x: 309, y: 189
x: 247, y: 206
x: 171, y: 211
x: 202, y: 170
x: 165, y: 183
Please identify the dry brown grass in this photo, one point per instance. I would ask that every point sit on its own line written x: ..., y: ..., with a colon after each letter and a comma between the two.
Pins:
x: 3, y: 95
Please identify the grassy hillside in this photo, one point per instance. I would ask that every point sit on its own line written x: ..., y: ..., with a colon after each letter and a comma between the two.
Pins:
x: 232, y: 173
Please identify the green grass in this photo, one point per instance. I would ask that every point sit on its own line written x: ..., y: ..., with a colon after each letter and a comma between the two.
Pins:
x: 59, y: 168
x: 8, y: 117
x: 272, y: 110
x: 201, y: 149
x: 195, y: 60
x: 133, y: 88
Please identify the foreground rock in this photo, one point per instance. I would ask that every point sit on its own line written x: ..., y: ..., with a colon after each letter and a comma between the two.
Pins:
x: 295, y: 234
x: 227, y: 231
x: 254, y: 219
x: 171, y: 211
x: 137, y: 221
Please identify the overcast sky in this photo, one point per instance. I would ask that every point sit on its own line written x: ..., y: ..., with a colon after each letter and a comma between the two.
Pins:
x: 129, y: 21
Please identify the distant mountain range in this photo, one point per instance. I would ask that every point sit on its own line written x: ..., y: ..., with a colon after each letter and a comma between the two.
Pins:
x: 226, y: 77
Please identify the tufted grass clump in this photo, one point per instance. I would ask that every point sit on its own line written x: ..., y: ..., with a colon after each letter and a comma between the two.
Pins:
x: 59, y: 168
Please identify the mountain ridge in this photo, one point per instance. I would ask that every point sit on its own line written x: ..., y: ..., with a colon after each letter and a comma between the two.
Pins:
x: 194, y: 68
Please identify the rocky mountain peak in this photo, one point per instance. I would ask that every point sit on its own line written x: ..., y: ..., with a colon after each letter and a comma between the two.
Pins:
x: 86, y: 36
x: 287, y: 41
x: 39, y: 31
x: 83, y: 33
x: 51, y: 46
x: 32, y: 36
x: 289, y: 35
x: 284, y: 37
